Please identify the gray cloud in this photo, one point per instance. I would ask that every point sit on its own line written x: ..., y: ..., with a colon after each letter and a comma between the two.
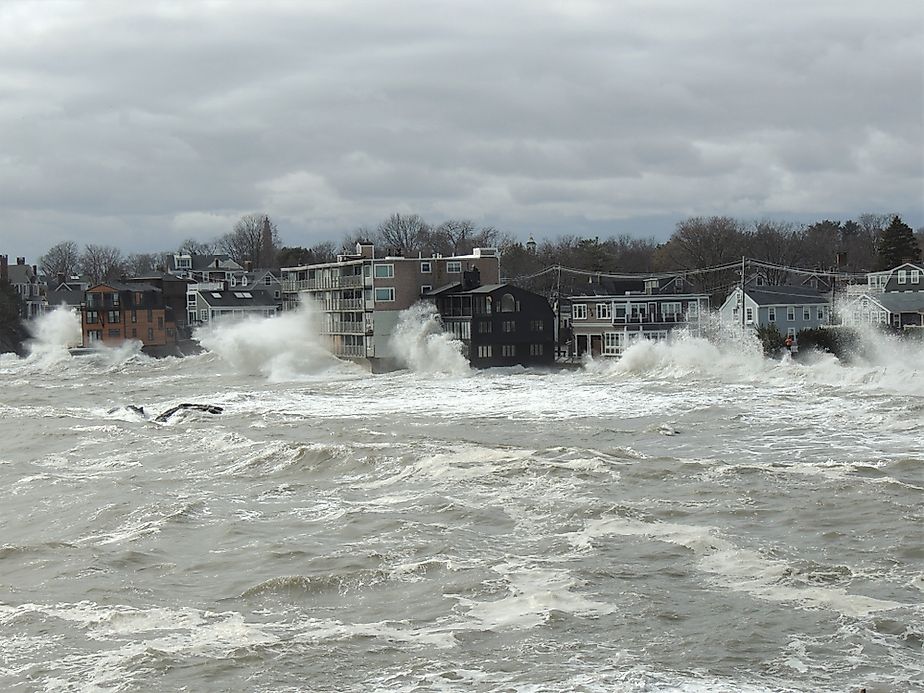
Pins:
x: 145, y: 125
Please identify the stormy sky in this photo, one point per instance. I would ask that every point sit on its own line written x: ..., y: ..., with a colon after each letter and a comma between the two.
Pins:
x: 141, y: 124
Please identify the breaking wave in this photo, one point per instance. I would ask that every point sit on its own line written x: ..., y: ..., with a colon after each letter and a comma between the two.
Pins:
x: 283, y: 347
x: 420, y: 344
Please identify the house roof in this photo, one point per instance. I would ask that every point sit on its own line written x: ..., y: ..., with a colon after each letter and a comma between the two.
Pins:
x: 20, y: 274
x: 121, y: 286
x: 904, y: 302
x: 240, y: 297
x: 784, y: 295
x: 200, y: 263
x: 68, y: 297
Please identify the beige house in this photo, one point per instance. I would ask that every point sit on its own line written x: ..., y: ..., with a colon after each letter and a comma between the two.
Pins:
x: 360, y: 296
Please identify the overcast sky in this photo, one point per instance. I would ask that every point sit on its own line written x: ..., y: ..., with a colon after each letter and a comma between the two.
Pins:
x: 141, y: 124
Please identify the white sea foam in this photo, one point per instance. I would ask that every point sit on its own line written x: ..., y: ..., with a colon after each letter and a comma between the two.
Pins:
x: 533, y: 593
x: 743, y: 570
x: 420, y: 343
x: 283, y: 347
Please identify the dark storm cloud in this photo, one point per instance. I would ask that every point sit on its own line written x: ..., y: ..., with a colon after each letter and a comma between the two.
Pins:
x: 143, y: 125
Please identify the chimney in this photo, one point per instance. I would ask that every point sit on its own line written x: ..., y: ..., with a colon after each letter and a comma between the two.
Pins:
x: 4, y: 267
x: 248, y: 266
x: 35, y: 270
x: 20, y: 261
x: 60, y: 278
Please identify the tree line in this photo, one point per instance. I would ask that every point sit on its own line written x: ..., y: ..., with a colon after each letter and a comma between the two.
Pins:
x: 869, y: 242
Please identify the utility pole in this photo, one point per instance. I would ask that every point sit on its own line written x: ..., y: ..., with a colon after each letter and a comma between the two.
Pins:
x: 743, y: 325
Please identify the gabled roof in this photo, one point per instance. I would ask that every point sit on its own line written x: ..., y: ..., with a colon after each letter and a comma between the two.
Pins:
x: 67, y: 297
x: 784, y: 295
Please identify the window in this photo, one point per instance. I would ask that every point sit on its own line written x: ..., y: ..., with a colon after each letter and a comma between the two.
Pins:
x: 639, y: 310
x: 134, y: 332
x: 902, y: 276
x: 509, y: 350
x: 603, y: 311
x: 95, y: 335
x: 579, y: 311
x: 790, y: 313
x: 693, y: 309
x: 485, y: 352
x: 749, y: 314
x: 670, y: 310
x: 536, y: 325
x: 535, y: 349
x: 790, y: 331
x: 771, y: 314
x: 150, y: 334
x: 91, y: 316
x: 915, y: 277
x: 806, y: 313
x: 203, y: 315
x: 114, y: 333
x: 160, y: 323
x: 508, y: 304
x: 611, y: 343
x: 385, y: 294
x: 268, y: 279
x: 113, y: 316
x: 425, y: 288
x: 454, y: 266
x: 821, y: 312
x: 215, y: 294
x: 134, y: 316
x: 115, y: 299
x: 426, y: 267
x: 484, y: 326
x: 509, y: 326
x: 384, y: 272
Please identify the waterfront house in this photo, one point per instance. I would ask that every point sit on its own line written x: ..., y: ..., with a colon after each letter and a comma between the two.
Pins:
x: 498, y: 324
x: 361, y: 295
x: 25, y: 282
x: 114, y: 312
x: 790, y: 308
x: 892, y: 297
x: 607, y: 316
x: 210, y: 302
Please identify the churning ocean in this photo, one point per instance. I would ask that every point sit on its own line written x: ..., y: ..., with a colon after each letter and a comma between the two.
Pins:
x: 692, y: 518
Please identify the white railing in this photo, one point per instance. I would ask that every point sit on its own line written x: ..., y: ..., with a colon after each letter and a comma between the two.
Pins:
x: 344, y: 304
x: 345, y: 328
x: 353, y: 351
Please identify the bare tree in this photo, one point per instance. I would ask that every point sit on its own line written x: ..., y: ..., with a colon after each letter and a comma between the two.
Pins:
x: 193, y: 247
x: 138, y: 264
x: 403, y: 234
x: 254, y: 238
x: 460, y: 236
x: 62, y: 258
x: 102, y: 262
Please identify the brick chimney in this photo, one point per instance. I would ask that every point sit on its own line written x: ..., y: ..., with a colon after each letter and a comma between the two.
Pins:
x: 4, y: 267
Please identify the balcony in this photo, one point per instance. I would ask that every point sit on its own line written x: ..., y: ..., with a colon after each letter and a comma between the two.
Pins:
x: 343, y: 304
x: 341, y: 327
x: 350, y: 351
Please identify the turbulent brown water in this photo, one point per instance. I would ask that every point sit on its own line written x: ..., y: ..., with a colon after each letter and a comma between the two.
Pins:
x: 689, y: 519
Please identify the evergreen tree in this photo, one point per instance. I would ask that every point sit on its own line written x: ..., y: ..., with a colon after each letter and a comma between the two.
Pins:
x: 897, y: 244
